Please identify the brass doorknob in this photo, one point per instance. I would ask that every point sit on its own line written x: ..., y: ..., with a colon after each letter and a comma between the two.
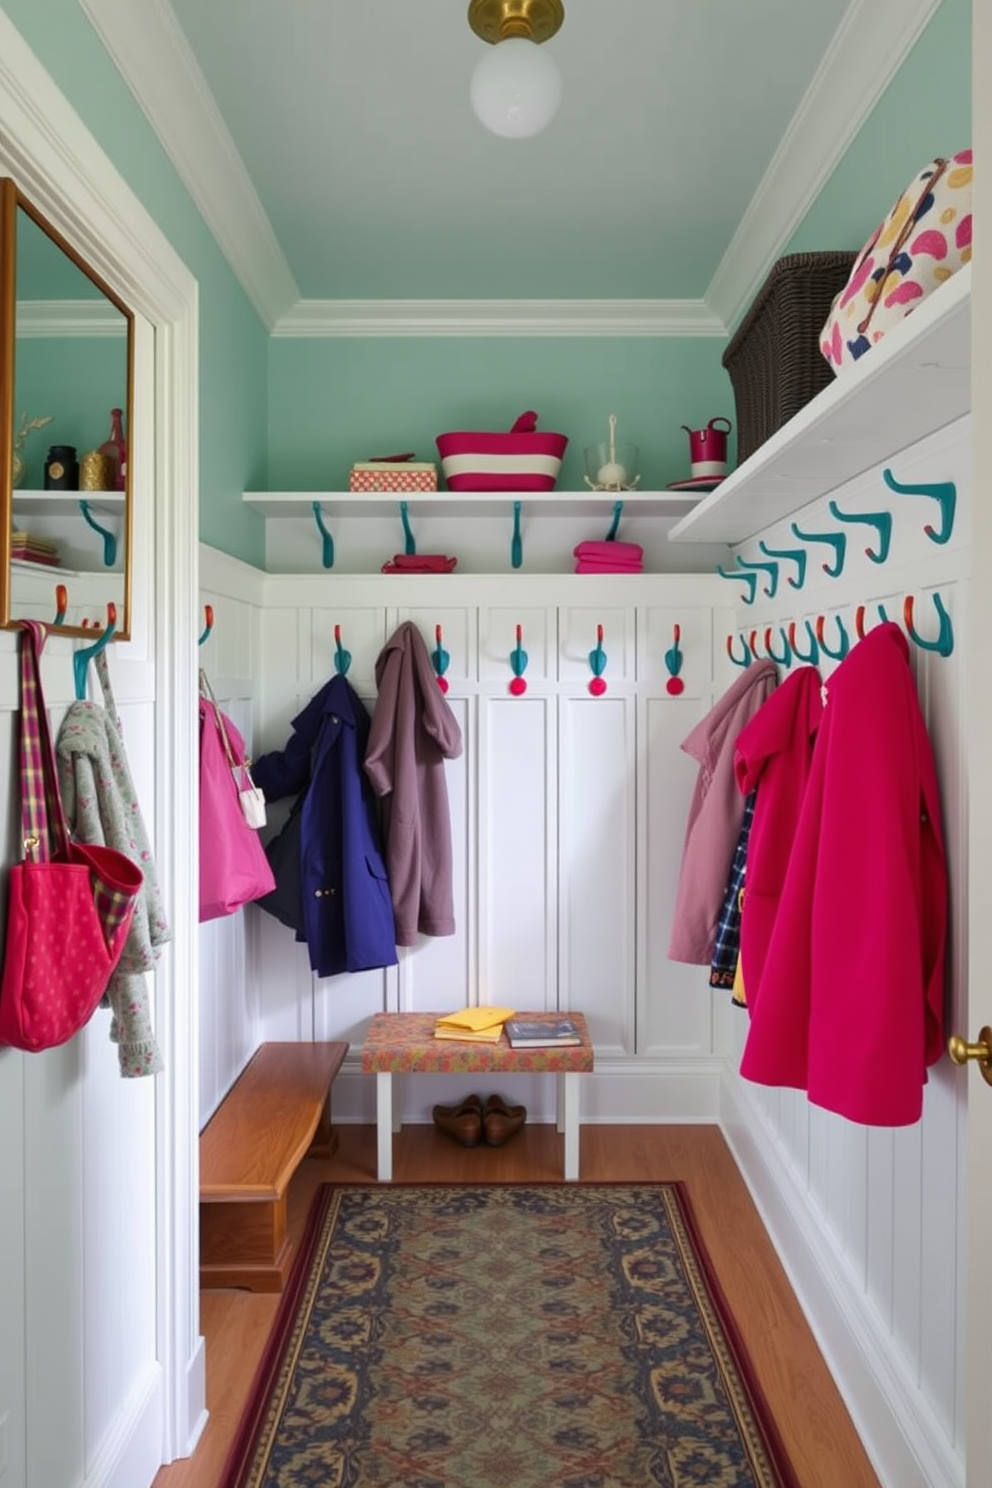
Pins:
x: 961, y: 1051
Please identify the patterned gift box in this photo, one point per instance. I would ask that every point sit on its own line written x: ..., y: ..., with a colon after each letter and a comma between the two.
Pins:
x: 382, y: 475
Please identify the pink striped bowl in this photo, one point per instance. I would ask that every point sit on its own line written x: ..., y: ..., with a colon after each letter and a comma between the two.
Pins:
x: 521, y: 460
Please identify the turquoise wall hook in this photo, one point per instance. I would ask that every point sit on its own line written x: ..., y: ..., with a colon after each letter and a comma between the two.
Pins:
x: 597, y: 662
x: 61, y: 604
x: 750, y: 579
x: 835, y: 540
x: 208, y: 624
x: 859, y: 620
x: 516, y: 542
x: 615, y: 524
x: 810, y: 657
x: 798, y: 556
x: 342, y: 658
x: 440, y: 658
x: 327, y: 541
x: 409, y: 541
x: 943, y: 492
x: 82, y: 658
x: 845, y: 639
x: 881, y: 521
x: 518, y: 665
x: 944, y: 644
x: 771, y: 588
x: 786, y: 658
x: 673, y: 661
x: 746, y: 659
x: 109, y: 538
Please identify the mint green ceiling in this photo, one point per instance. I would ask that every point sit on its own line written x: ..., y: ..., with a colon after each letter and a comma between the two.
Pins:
x: 354, y: 123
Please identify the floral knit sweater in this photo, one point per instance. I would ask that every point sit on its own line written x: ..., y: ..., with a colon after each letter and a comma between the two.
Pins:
x: 101, y: 807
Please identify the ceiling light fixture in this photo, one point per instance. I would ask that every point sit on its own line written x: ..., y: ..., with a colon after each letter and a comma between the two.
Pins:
x: 516, y: 88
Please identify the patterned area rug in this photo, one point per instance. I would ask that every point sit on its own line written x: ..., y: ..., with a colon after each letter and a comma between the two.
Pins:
x: 543, y: 1336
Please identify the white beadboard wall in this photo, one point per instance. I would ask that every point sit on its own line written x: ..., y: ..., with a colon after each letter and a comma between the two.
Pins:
x: 870, y: 1222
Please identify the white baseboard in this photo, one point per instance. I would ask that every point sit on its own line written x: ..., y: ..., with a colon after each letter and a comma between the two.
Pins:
x: 131, y: 1451
x: 905, y: 1442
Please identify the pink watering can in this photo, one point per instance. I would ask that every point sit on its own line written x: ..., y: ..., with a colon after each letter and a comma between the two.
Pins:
x: 708, y: 449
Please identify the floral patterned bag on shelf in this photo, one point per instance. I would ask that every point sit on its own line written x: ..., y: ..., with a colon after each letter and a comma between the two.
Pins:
x: 922, y: 242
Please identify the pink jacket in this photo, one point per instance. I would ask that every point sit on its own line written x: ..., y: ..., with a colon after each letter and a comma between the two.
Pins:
x: 850, y: 1006
x: 413, y: 732
x: 773, y: 757
x: 716, y: 812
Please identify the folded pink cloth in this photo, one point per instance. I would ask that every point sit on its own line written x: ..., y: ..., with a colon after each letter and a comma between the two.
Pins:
x: 420, y: 563
x: 582, y: 567
x: 616, y: 554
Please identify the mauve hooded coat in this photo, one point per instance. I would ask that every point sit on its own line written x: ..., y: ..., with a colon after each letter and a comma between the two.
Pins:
x: 413, y: 732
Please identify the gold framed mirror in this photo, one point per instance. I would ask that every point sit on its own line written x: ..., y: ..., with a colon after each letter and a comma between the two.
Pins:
x: 66, y: 391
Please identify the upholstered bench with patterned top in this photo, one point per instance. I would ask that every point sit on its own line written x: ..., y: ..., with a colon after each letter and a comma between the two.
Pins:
x: 404, y: 1044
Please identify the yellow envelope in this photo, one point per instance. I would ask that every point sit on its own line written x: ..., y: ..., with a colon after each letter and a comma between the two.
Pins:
x: 475, y: 1018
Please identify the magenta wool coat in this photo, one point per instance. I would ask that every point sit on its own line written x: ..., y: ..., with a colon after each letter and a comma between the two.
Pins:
x: 716, y: 812
x: 413, y: 732
x: 850, y: 1003
x: 773, y: 757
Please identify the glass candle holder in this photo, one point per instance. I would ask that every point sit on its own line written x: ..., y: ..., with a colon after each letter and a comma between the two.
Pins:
x: 612, y: 468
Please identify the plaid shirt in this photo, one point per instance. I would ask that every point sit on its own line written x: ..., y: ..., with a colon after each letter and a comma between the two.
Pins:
x: 727, y: 944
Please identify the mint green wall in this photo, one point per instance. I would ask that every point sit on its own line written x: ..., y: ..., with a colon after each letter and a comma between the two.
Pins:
x: 232, y: 339
x: 76, y: 379
x: 335, y: 401
x: 925, y: 111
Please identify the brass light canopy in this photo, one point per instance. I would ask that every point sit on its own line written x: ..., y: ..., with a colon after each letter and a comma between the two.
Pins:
x: 498, y: 20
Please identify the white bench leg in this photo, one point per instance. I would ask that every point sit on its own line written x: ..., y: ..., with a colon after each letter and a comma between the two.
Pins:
x: 384, y: 1123
x: 568, y: 1122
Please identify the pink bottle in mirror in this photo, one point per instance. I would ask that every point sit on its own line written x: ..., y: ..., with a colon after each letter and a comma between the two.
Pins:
x: 708, y: 449
x: 116, y: 449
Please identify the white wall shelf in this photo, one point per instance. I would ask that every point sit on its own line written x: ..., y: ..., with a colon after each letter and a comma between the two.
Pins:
x: 465, y: 504
x: 66, y: 503
x: 912, y: 383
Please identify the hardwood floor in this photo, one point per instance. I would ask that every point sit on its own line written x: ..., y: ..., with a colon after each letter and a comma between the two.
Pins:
x: 812, y: 1419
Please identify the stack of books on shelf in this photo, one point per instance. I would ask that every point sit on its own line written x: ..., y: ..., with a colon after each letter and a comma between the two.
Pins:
x: 539, y: 1033
x: 30, y: 549
x: 477, y: 1025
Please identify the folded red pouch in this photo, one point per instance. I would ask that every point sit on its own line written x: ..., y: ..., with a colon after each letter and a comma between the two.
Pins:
x: 614, y: 552
x: 420, y: 563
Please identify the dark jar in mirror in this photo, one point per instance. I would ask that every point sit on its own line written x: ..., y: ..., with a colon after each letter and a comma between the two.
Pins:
x: 62, y: 468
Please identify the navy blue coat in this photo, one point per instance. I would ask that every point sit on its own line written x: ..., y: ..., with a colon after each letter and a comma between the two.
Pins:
x: 333, y: 888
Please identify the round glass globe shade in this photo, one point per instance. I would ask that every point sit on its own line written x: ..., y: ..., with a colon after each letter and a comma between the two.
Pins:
x: 516, y: 88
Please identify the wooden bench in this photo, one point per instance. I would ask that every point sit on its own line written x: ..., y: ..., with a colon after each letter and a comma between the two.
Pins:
x: 276, y: 1113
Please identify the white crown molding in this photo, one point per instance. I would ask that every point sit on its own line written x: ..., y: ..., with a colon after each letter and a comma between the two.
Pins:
x: 151, y: 53
x: 37, y: 318
x: 867, y: 50
x: 499, y: 318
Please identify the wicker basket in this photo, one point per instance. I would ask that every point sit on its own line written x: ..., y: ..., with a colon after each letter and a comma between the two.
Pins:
x: 774, y: 357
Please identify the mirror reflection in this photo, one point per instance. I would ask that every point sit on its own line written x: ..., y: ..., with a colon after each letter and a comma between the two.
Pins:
x: 67, y: 341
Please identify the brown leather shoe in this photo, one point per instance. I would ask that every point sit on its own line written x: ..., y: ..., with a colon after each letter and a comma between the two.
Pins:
x: 462, y: 1122
x: 500, y: 1122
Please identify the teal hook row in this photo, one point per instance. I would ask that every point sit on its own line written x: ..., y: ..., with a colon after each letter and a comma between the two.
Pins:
x: 798, y: 556
x: 109, y: 538
x: 835, y: 540
x: 943, y: 492
x: 771, y: 588
x: 327, y: 541
x: 881, y: 521
x: 342, y: 658
x: 750, y: 579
